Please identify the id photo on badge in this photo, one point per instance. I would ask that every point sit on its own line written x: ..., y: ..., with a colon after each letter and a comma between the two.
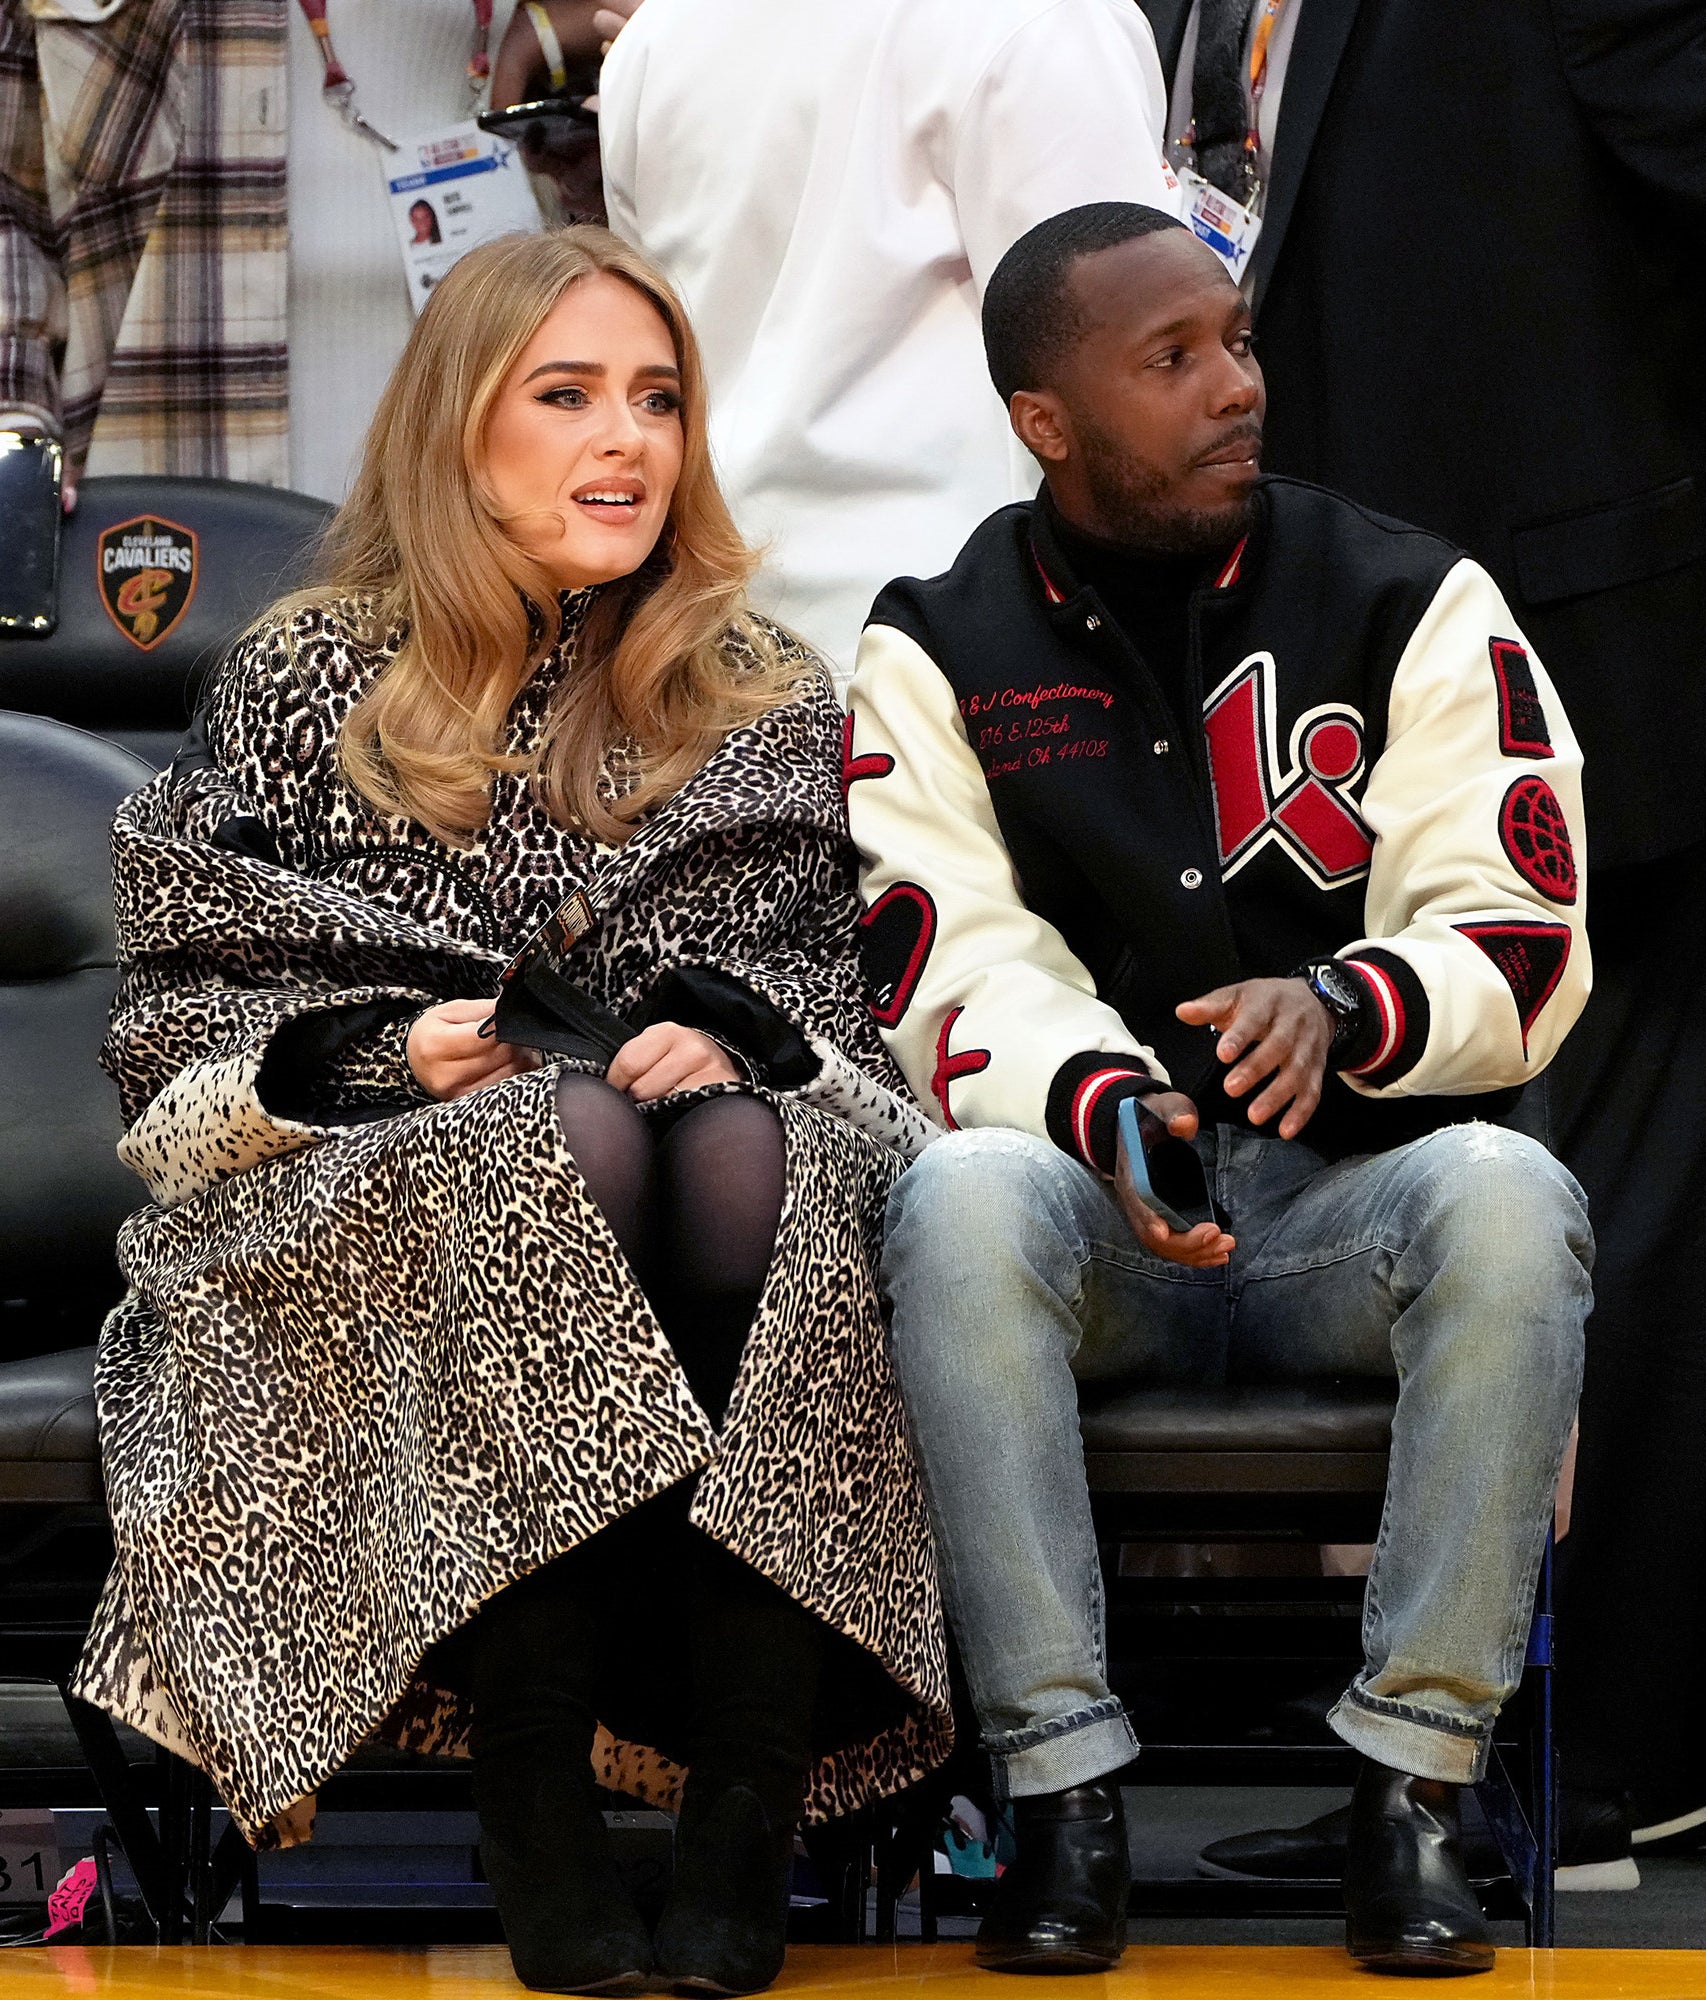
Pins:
x: 451, y: 190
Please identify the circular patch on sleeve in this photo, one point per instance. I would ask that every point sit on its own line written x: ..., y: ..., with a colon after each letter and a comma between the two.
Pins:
x: 1536, y: 836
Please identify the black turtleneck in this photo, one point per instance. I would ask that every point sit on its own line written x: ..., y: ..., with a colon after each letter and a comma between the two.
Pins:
x: 1148, y: 597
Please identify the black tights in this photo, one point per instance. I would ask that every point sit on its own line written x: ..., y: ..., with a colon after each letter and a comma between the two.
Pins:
x: 695, y: 1211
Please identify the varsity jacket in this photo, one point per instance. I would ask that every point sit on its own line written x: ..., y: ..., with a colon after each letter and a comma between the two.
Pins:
x: 1373, y: 767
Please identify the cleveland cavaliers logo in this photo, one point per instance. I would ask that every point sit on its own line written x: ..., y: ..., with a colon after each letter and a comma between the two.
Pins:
x: 147, y: 573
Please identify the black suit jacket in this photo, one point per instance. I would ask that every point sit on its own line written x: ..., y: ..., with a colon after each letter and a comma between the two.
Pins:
x: 1479, y: 302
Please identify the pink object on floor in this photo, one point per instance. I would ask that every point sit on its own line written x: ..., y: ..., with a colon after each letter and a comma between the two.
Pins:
x: 70, y: 1899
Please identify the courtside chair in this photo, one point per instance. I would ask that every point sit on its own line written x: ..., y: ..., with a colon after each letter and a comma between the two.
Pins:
x: 1298, y: 1464
x: 1274, y: 1464
x: 157, y: 576
x: 63, y: 1195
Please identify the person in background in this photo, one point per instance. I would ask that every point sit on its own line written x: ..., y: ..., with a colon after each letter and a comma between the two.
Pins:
x: 1194, y: 795
x: 551, y: 51
x: 219, y: 295
x: 1466, y: 211
x: 830, y: 188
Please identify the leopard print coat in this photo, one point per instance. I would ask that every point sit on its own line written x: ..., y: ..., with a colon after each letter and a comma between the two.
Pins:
x: 370, y: 1372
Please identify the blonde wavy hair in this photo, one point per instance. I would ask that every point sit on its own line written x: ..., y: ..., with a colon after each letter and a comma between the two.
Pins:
x: 669, y: 661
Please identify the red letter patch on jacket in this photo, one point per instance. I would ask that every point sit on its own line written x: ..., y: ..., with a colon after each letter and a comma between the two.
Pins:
x: 895, y: 936
x: 1306, y: 808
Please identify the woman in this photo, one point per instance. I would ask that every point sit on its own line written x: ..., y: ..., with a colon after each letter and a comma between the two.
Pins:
x: 423, y: 1325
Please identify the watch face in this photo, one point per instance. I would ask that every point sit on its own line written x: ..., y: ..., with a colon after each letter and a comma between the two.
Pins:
x: 1339, y: 987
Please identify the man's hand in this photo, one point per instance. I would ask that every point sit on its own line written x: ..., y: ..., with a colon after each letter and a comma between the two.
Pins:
x: 450, y: 1057
x: 1202, y: 1247
x: 668, y: 1057
x: 1272, y: 1028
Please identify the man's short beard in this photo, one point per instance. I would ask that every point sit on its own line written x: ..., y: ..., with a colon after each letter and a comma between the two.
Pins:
x: 1131, y: 507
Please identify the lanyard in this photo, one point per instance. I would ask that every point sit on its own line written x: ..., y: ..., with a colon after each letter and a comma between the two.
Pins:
x: 339, y: 90
x: 1265, y: 15
x: 1259, y: 40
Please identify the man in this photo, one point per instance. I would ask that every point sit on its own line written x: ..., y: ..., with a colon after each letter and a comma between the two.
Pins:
x: 1477, y: 286
x: 830, y: 188
x: 1221, y: 793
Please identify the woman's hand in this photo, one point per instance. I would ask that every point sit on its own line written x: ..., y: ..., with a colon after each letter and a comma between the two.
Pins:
x: 450, y: 1057
x: 668, y: 1057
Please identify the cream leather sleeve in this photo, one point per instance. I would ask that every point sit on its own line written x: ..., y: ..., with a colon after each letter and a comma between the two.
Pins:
x: 1476, y: 911
x: 985, y: 1002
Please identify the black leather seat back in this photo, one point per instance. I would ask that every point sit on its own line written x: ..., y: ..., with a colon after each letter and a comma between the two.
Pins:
x: 157, y: 577
x: 63, y: 1193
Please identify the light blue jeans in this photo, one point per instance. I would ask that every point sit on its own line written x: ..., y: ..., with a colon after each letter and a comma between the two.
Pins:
x: 1458, y: 1264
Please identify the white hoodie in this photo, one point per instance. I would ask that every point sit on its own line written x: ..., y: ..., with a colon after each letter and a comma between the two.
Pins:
x: 830, y: 186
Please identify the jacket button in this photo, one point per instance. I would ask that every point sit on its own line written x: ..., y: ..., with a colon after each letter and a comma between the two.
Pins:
x: 1161, y: 746
x: 1092, y: 623
x: 1192, y: 878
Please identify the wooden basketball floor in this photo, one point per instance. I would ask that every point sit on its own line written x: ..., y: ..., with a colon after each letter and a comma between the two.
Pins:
x: 868, y: 1972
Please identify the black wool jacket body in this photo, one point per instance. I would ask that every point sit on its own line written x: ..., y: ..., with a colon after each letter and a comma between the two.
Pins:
x: 1375, y: 768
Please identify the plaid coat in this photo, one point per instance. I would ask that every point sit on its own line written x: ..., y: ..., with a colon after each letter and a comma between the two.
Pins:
x: 143, y: 237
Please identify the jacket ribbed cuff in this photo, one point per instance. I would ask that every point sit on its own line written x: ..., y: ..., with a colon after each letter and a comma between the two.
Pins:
x: 1084, y: 1104
x: 1394, y: 1034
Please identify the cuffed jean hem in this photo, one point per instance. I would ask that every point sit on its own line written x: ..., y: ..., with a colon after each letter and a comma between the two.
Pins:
x: 1074, y: 1752
x: 1403, y: 1744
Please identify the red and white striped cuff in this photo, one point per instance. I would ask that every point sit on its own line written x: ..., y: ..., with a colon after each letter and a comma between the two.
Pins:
x: 1084, y: 1101
x: 1400, y: 1017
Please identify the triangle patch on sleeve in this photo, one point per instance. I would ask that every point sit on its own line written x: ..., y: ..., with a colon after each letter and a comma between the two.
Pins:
x: 1531, y: 957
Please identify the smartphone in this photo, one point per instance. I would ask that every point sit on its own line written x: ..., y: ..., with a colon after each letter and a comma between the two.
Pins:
x: 514, y: 119
x: 31, y: 471
x: 1163, y: 1172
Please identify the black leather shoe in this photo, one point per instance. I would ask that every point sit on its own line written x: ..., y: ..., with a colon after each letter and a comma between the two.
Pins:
x: 1408, y: 1903
x: 724, y: 1929
x: 1315, y: 1852
x: 1060, y: 1906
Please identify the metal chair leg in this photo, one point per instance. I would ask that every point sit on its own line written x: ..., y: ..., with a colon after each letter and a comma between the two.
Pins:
x: 1527, y: 1835
x: 1543, y: 1763
x: 841, y: 1852
x: 233, y: 1867
x: 200, y: 1858
x: 143, y: 1849
x: 175, y: 1841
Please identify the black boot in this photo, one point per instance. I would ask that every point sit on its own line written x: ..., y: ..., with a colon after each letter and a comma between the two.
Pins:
x: 567, y: 1916
x: 725, y: 1927
x: 1315, y: 1852
x: 756, y: 1657
x: 1061, y: 1906
x: 1408, y: 1903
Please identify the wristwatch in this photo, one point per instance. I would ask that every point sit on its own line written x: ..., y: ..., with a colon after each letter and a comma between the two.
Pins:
x: 1342, y: 994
